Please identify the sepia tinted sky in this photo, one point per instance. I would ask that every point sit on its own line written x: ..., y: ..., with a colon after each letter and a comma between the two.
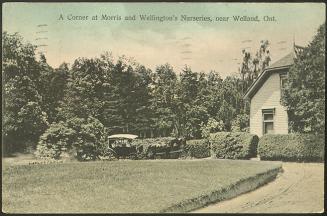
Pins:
x: 204, y: 46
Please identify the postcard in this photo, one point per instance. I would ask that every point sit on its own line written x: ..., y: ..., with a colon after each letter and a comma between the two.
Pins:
x: 198, y: 107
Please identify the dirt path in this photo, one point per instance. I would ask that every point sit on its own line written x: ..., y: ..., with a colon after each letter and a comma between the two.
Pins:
x: 299, y: 189
x: 19, y: 159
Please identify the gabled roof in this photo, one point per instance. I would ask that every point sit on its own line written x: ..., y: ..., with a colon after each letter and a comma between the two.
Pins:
x: 285, y: 61
x: 279, y: 66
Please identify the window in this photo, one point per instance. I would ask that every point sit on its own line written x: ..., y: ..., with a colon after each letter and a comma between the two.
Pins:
x: 268, y: 120
x: 283, y: 79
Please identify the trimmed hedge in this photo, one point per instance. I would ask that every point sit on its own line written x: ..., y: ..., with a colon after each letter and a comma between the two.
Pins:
x: 199, y: 148
x: 233, y: 145
x: 292, y: 147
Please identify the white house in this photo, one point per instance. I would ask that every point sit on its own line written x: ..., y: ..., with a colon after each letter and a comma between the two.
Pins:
x: 267, y: 115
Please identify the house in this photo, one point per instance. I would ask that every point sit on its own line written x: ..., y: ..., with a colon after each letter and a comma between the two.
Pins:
x: 267, y: 115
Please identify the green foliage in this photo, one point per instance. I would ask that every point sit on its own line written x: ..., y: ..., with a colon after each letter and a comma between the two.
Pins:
x: 254, y: 63
x: 231, y: 101
x: 196, y: 116
x: 233, y: 145
x: 23, y: 117
x: 241, y: 123
x: 292, y: 147
x: 52, y: 85
x: 54, y: 140
x: 197, y: 148
x: 84, y: 138
x: 211, y: 127
x: 85, y: 89
x: 123, y: 95
x: 163, y: 100
x: 304, y: 94
x: 116, y: 93
x: 89, y: 139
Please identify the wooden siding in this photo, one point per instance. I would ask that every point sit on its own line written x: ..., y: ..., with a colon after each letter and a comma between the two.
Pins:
x: 268, y: 97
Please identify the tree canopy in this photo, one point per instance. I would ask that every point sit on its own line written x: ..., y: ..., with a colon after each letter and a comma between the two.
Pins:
x: 304, y: 93
x: 123, y: 96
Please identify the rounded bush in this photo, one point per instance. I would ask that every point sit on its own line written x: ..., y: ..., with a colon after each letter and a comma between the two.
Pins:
x: 292, y: 147
x: 233, y: 145
x: 89, y: 140
x: 53, y: 140
x: 83, y: 138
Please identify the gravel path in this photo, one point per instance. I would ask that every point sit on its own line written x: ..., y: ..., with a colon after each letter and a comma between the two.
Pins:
x: 299, y: 189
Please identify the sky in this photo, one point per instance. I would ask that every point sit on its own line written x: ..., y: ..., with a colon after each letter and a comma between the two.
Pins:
x: 204, y: 46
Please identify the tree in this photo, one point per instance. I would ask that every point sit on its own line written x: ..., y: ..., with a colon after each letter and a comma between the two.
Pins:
x: 85, y: 89
x: 142, y: 92
x: 189, y: 83
x: 254, y: 64
x: 240, y: 123
x: 23, y: 117
x: 304, y: 92
x: 212, y: 126
x: 163, y: 100
x: 212, y: 93
x: 196, y: 115
x: 128, y: 106
x: 111, y: 115
x: 116, y: 93
x: 261, y: 59
x: 51, y: 85
x: 192, y: 111
x: 57, y: 84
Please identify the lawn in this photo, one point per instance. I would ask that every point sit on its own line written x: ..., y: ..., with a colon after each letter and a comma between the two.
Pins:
x: 117, y: 186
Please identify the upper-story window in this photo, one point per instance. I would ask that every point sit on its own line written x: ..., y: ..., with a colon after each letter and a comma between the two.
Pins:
x: 283, y: 80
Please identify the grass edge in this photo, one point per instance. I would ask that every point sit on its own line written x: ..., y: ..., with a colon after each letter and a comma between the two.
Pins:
x: 240, y: 187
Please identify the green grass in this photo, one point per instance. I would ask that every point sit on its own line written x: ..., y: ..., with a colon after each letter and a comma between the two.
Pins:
x: 118, y: 186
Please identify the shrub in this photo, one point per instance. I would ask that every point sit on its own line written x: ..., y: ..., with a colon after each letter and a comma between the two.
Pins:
x: 197, y: 148
x: 81, y: 137
x: 233, y: 145
x: 240, y: 123
x: 90, y: 139
x: 292, y: 147
x: 53, y: 140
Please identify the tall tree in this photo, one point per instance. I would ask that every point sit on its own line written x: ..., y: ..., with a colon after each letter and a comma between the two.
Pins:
x: 23, y: 117
x: 163, y: 101
x: 143, y: 114
x: 254, y: 64
x: 191, y: 92
x: 213, y: 93
x: 304, y: 92
x: 51, y: 86
x: 57, y: 88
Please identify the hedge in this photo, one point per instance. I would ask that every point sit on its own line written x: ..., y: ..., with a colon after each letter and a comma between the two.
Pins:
x: 292, y: 147
x: 199, y: 148
x: 233, y: 145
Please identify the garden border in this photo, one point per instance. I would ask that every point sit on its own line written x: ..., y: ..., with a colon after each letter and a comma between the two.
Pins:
x: 231, y: 191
